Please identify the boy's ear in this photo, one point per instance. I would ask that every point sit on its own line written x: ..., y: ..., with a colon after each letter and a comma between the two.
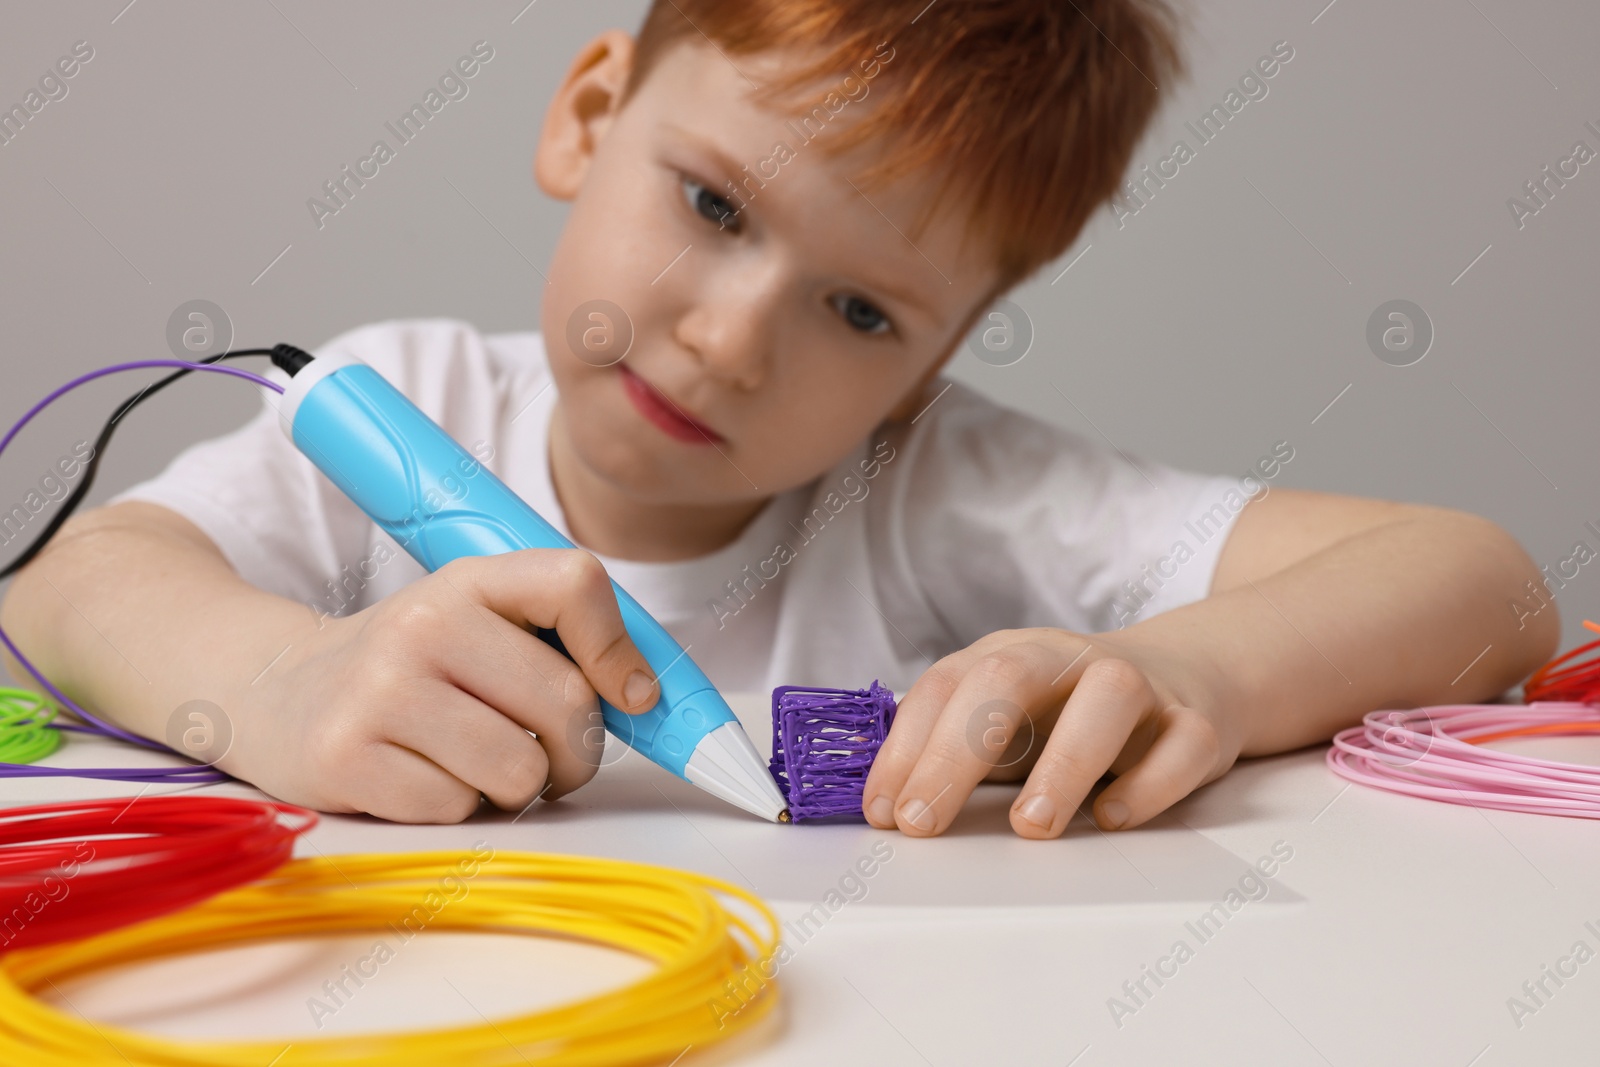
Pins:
x: 580, y: 113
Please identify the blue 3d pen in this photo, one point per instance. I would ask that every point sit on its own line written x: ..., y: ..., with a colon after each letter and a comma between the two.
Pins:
x: 440, y: 503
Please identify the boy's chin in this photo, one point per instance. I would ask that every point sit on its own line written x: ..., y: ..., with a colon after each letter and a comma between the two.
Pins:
x: 645, y: 470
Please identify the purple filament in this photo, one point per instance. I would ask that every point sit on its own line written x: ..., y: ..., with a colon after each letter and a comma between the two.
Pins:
x: 96, y: 725
x: 823, y: 745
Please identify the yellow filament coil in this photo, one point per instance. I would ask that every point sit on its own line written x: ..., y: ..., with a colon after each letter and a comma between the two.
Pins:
x: 714, y: 976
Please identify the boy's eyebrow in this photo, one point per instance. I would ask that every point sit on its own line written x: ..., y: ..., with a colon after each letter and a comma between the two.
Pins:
x: 722, y: 160
x: 905, y: 297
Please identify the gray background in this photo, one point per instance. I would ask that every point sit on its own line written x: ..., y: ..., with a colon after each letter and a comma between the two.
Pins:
x: 1223, y: 317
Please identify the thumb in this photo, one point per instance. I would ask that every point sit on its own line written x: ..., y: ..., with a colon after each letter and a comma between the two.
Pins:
x: 566, y: 597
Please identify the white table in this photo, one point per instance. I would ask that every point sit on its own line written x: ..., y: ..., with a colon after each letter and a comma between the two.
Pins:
x: 1395, y: 934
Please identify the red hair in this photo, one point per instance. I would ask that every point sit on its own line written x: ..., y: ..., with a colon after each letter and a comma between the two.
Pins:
x: 1029, y: 110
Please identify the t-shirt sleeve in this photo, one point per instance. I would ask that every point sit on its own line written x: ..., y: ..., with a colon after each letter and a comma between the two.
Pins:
x: 1008, y: 521
x: 281, y: 524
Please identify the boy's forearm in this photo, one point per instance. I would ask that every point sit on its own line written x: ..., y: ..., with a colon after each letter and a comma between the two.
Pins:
x: 132, y: 615
x: 1411, y: 613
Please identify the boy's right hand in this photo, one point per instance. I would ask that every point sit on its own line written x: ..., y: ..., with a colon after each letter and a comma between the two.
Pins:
x: 413, y: 707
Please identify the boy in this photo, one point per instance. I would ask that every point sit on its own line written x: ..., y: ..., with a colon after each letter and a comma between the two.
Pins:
x: 786, y: 215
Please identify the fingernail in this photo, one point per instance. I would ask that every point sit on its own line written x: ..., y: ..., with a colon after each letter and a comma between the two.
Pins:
x: 915, y: 811
x: 1038, y: 810
x: 637, y: 688
x: 1115, y: 813
x: 880, y: 811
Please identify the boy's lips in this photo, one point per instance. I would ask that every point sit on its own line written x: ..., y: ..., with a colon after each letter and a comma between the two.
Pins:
x: 662, y: 413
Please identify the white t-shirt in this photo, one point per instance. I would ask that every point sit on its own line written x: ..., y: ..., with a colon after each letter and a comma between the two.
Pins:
x: 930, y: 535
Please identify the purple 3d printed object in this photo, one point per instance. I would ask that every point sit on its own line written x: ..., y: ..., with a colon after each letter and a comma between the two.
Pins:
x: 823, y: 745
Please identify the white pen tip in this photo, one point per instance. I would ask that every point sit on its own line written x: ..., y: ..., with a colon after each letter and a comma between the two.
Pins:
x: 726, y: 764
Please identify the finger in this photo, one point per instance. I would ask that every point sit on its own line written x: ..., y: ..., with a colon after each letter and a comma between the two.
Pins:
x: 473, y: 743
x: 401, y: 786
x: 1105, y: 707
x: 919, y: 710
x: 999, y: 696
x: 534, y: 687
x: 1184, y: 757
x: 569, y: 591
x: 914, y: 718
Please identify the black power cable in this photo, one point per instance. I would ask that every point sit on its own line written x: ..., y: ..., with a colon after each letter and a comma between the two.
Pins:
x: 72, y: 501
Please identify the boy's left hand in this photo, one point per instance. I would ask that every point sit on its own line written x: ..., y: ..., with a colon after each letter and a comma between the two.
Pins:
x: 1060, y: 709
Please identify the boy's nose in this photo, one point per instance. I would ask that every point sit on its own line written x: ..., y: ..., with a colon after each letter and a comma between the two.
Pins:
x: 730, y: 333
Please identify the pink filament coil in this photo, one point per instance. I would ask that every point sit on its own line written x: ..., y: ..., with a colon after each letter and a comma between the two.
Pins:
x: 1436, y: 752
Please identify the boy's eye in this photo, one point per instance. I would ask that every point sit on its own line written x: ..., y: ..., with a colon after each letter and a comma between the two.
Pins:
x: 861, y: 315
x: 709, y: 205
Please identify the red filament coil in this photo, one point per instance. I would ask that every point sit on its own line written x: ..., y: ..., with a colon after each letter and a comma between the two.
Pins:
x: 1576, y: 682
x: 82, y: 867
